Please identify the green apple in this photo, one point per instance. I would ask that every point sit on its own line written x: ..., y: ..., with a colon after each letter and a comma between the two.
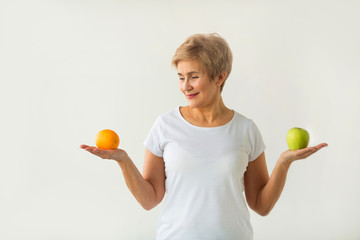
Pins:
x: 297, y: 138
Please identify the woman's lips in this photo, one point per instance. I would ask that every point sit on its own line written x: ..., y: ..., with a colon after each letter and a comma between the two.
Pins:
x: 190, y: 96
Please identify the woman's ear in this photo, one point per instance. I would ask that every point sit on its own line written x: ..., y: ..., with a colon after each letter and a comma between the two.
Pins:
x: 221, y: 78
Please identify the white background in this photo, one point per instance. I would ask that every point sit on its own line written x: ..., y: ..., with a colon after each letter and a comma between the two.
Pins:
x: 71, y: 68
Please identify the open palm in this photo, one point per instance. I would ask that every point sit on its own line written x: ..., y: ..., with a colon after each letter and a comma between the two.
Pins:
x: 115, y: 154
x: 292, y: 155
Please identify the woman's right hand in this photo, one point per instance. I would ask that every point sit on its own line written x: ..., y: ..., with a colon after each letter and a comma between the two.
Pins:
x: 116, y: 154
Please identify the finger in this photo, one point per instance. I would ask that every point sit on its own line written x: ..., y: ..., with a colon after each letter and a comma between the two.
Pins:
x: 309, y: 153
x: 321, y: 145
x: 96, y: 151
x: 104, y: 154
x: 306, y: 152
x: 86, y: 147
x: 93, y: 150
x: 311, y: 150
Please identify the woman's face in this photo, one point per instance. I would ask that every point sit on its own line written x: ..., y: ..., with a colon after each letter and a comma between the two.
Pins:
x: 197, y: 87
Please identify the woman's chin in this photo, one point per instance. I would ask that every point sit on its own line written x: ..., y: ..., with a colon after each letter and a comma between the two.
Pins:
x: 193, y: 105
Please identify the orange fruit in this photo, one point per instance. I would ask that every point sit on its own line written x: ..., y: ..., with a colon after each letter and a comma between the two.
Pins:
x: 107, y: 139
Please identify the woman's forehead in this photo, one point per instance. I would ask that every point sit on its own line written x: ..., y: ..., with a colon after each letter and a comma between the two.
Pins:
x: 186, y: 67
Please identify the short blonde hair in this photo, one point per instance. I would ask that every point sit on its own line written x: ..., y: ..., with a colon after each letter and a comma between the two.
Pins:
x: 210, y: 50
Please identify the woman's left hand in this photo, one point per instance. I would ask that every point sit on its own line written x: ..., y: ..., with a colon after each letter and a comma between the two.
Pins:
x: 291, y: 155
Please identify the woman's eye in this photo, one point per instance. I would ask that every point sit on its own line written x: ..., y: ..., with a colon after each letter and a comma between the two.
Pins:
x: 183, y: 78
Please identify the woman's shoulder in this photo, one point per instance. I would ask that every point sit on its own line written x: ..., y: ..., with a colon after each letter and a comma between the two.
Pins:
x: 169, y: 116
x: 240, y: 117
x: 244, y: 120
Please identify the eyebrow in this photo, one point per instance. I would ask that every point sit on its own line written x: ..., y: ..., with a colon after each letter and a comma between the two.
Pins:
x: 189, y: 73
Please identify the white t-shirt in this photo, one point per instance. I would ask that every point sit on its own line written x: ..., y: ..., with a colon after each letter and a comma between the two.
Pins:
x: 204, y: 169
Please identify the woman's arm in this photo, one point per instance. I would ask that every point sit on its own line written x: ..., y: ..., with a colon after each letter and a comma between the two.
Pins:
x: 262, y: 191
x: 149, y: 189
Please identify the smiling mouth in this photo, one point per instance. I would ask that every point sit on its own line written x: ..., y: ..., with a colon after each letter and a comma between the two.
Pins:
x: 190, y: 96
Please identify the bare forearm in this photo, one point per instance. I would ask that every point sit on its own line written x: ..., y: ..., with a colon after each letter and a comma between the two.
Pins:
x: 138, y: 186
x: 270, y: 193
x: 263, y: 195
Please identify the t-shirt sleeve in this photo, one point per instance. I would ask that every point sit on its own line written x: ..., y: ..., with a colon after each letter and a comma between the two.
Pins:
x: 256, y: 142
x: 153, y: 140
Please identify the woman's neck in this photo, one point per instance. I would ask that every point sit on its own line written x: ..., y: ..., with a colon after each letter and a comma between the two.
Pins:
x: 214, y: 114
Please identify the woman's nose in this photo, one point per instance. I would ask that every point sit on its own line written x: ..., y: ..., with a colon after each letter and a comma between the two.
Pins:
x: 187, y: 86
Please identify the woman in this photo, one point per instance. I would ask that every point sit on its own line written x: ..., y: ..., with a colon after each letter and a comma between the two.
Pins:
x: 205, y: 155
